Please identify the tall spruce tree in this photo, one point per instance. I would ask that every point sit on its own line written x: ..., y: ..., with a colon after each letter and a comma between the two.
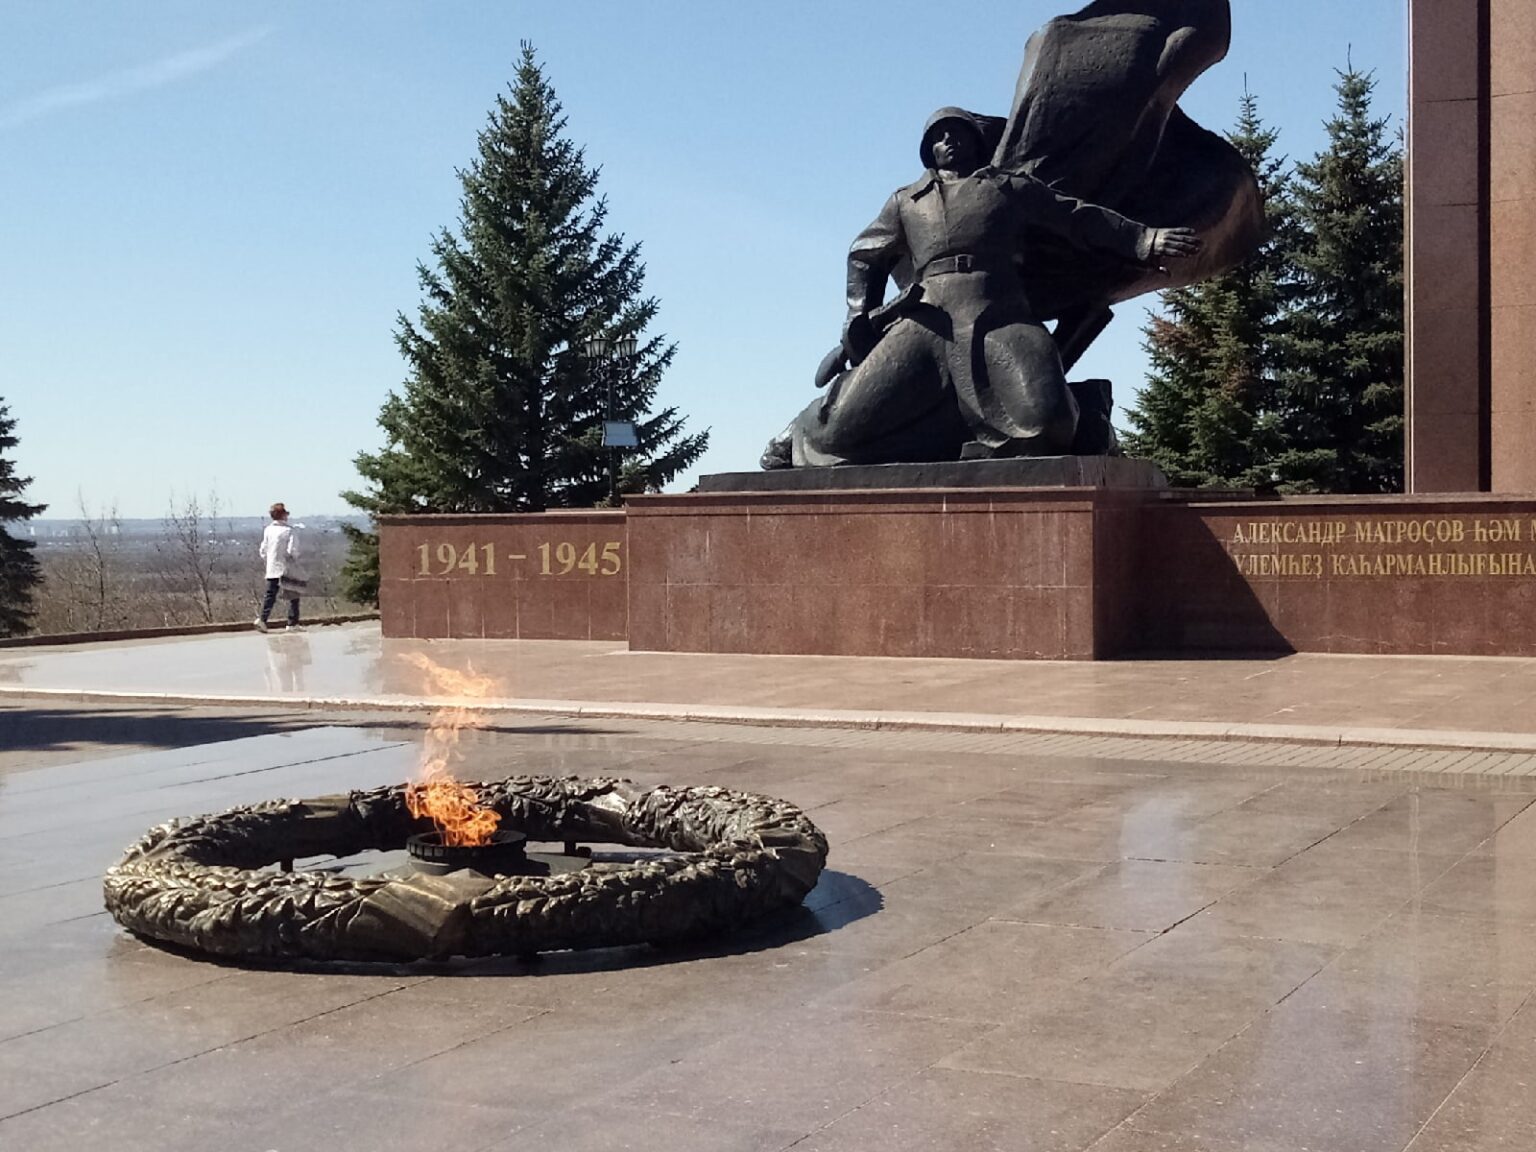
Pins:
x: 1341, y: 384
x: 19, y: 574
x: 1207, y: 413
x: 501, y: 411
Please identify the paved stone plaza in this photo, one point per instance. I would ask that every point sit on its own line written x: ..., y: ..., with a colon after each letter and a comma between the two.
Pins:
x: 1022, y: 942
x: 1439, y: 701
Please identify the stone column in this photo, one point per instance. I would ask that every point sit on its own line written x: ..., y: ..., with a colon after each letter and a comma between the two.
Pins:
x: 1447, y: 247
x: 1512, y: 242
x: 1471, y: 246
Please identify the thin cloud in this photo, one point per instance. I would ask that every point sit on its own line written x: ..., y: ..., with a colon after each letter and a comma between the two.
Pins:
x: 130, y: 82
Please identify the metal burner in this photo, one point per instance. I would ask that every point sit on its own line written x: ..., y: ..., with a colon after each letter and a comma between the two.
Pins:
x: 505, y: 854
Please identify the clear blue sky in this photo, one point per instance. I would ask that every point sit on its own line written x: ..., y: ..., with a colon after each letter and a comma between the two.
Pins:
x: 211, y: 213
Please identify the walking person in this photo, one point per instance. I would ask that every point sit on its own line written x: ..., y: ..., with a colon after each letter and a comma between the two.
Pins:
x: 280, y: 549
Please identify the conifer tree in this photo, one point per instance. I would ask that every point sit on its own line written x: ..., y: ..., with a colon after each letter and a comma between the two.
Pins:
x: 19, y: 573
x: 1341, y: 384
x: 1207, y: 413
x: 501, y: 411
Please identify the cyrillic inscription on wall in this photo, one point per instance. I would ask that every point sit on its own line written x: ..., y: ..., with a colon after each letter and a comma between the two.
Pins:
x: 1378, y: 547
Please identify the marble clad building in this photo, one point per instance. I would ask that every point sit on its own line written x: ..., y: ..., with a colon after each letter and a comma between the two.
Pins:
x: 1472, y: 246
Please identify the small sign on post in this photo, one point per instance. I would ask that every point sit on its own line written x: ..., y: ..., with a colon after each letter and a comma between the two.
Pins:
x: 620, y: 434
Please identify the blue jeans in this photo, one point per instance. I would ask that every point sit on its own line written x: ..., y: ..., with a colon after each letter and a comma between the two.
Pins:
x: 270, y: 599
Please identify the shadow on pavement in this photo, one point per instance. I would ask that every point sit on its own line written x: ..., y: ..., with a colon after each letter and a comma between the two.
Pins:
x: 52, y: 728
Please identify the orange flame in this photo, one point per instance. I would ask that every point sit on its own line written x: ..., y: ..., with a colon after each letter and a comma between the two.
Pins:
x: 449, y: 803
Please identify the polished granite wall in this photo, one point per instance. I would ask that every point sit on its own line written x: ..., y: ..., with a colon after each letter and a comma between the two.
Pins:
x: 1471, y: 244
x: 1062, y: 574
x: 1002, y: 574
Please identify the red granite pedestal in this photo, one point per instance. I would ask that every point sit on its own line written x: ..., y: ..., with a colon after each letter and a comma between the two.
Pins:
x: 1072, y: 573
x: 1080, y: 573
x: 1013, y: 574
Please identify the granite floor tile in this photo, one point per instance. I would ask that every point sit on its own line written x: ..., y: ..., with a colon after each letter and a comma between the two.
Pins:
x: 1486, y: 886
x: 26, y: 912
x: 1491, y: 1109
x: 1341, y: 798
x: 118, y: 1120
x: 1436, y: 821
x: 1032, y: 802
x: 977, y: 1112
x: 1136, y: 895
x: 1118, y: 1036
x: 52, y: 992
x: 988, y: 973
x: 510, y: 1067
x: 89, y: 939
x: 850, y: 819
x: 1517, y: 839
x: 614, y: 1128
x: 1254, y: 840
x: 1314, y: 1079
x: 1094, y: 833
x: 1151, y: 830
x: 1128, y: 1138
x: 1258, y: 971
x: 1150, y: 1018
x: 1450, y: 969
x: 353, y: 1049
x: 409, y: 1123
x: 1197, y: 800
x: 1272, y: 907
x: 801, y: 1070
x: 87, y: 1053
x: 1335, y: 866
x: 954, y: 893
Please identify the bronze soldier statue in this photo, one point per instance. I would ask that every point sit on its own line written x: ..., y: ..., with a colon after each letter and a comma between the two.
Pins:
x: 959, y: 366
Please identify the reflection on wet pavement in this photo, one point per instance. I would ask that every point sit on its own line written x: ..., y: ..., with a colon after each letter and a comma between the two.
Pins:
x: 1009, y: 951
x: 354, y: 663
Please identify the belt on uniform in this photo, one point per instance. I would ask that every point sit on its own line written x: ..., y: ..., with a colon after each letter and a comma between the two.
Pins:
x: 964, y: 262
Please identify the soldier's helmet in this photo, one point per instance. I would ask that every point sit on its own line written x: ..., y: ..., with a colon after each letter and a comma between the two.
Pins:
x: 969, y: 119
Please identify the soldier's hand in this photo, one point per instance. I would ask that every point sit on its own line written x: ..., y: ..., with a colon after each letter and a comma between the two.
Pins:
x: 1175, y: 242
x: 858, y: 337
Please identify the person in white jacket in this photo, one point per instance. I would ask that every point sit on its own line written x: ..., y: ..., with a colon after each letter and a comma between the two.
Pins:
x: 280, y: 549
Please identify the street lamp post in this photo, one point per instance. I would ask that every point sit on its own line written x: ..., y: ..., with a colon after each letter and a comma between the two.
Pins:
x: 610, y: 355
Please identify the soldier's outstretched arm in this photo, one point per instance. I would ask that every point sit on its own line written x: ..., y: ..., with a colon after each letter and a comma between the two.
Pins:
x: 1090, y: 226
